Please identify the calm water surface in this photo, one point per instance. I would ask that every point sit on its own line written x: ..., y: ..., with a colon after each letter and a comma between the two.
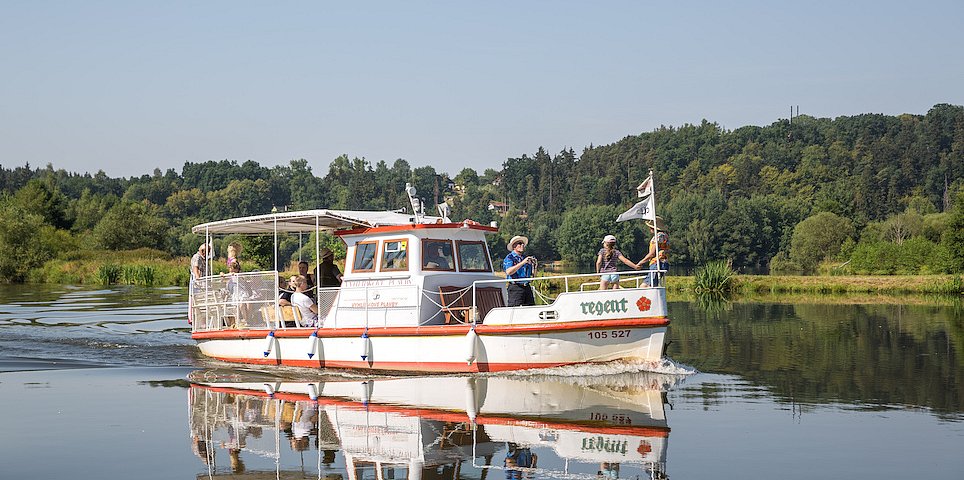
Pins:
x: 106, y: 383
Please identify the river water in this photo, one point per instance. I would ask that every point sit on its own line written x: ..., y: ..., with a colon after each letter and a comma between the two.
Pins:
x: 106, y: 383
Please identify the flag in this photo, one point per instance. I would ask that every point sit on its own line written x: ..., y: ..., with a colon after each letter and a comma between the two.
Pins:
x: 645, y: 209
x: 646, y: 188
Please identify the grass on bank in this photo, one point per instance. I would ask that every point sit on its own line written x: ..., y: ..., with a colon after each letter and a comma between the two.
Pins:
x: 144, y: 266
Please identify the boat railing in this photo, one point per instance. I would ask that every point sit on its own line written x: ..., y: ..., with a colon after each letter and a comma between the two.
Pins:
x: 234, y: 300
x: 557, y: 284
x: 251, y: 300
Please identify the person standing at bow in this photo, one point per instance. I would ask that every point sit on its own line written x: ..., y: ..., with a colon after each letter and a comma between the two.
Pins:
x: 519, y: 268
x: 606, y: 263
x: 657, y: 256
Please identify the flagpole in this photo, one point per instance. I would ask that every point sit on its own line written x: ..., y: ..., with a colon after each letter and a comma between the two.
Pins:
x: 652, y: 186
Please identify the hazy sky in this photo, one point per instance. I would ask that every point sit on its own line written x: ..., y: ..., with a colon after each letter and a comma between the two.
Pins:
x: 127, y: 86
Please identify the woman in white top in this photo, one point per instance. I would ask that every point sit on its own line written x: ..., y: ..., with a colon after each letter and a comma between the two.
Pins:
x: 307, y: 307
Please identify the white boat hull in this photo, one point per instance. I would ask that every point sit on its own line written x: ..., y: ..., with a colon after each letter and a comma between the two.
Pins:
x: 444, y: 348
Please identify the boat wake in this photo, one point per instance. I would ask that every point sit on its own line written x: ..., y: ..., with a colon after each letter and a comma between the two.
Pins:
x: 665, y: 366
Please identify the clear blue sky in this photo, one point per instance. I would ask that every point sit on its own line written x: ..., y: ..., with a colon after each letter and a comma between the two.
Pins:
x: 129, y: 86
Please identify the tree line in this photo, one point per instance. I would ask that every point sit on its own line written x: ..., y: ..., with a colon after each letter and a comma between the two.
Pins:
x: 870, y: 193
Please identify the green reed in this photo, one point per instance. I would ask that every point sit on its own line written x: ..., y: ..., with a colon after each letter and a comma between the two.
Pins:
x: 714, y: 277
x: 109, y: 274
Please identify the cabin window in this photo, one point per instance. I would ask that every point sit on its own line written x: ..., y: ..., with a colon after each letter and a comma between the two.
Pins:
x: 395, y: 255
x: 472, y: 257
x: 438, y: 255
x: 364, y: 257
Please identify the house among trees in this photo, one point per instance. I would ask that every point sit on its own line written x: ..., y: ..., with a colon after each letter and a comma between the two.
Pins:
x: 499, y: 207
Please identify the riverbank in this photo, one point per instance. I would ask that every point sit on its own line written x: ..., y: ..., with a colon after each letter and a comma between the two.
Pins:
x: 154, y: 268
x: 756, y: 285
x: 143, y: 267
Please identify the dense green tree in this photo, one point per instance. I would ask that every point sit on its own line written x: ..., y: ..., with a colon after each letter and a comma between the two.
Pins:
x: 26, y: 241
x: 582, y: 229
x: 130, y: 225
x: 819, y: 237
x: 42, y: 197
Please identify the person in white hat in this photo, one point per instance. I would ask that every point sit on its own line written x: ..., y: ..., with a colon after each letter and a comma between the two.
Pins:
x: 519, y: 268
x: 606, y: 263
x: 658, y: 262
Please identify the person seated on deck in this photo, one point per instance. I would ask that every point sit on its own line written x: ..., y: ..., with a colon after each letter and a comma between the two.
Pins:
x: 285, y: 290
x: 304, y: 272
x: 330, y: 274
x: 307, y: 306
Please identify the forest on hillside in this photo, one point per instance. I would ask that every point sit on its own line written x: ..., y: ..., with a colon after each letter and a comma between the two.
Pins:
x: 868, y: 193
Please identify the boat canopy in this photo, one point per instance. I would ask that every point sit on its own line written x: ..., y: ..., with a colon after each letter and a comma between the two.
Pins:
x: 309, y: 221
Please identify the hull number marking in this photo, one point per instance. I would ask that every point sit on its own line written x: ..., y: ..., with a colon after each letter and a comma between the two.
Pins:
x: 610, y: 334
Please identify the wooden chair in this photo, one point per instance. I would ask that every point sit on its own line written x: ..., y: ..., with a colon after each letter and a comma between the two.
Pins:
x: 290, y: 315
x: 455, y: 302
x: 488, y: 298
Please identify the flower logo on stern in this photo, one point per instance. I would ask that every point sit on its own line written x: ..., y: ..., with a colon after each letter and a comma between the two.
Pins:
x: 643, y: 303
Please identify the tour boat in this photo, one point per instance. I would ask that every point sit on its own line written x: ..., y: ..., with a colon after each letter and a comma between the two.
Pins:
x: 413, y: 427
x: 419, y: 294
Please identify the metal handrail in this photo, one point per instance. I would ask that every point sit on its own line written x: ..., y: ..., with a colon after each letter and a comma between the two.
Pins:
x: 556, y: 277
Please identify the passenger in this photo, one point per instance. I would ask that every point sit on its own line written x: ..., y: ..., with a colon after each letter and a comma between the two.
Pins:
x: 660, y: 262
x: 307, y: 307
x: 330, y: 274
x: 234, y: 249
x: 199, y: 263
x: 435, y: 258
x: 285, y: 290
x: 517, y: 267
x: 304, y: 272
x: 606, y: 263
x: 198, y: 269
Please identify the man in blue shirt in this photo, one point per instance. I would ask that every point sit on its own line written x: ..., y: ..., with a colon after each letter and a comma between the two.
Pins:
x: 518, y: 267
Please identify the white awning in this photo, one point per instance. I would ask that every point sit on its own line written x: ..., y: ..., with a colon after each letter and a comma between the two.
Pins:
x: 304, y: 221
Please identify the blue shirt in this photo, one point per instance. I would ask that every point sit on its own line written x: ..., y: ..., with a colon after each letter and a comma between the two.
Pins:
x: 513, y: 259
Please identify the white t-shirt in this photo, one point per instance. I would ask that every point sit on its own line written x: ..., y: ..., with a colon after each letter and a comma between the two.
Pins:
x: 304, y: 303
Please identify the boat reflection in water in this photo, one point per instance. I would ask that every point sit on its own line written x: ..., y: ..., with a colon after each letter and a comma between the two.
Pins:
x: 431, y: 428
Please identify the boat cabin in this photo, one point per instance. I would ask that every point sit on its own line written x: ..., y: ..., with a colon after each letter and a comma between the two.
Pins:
x: 400, y: 271
x: 411, y: 275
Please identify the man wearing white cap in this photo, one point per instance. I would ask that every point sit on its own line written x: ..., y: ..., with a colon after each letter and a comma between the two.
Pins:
x: 518, y: 267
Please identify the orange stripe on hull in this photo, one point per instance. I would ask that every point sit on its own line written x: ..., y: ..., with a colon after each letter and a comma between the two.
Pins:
x: 428, y: 367
x: 438, y: 330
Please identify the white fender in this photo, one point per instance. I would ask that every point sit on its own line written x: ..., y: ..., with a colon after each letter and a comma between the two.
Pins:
x: 312, y: 344
x: 366, y: 350
x: 471, y: 346
x: 268, y: 343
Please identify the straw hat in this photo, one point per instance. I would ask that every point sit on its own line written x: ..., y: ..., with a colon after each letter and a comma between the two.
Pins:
x: 609, y: 238
x: 516, y: 239
x: 325, y: 253
x: 660, y: 225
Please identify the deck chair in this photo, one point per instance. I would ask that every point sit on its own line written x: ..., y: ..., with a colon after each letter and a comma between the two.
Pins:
x: 455, y: 301
x: 487, y: 299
